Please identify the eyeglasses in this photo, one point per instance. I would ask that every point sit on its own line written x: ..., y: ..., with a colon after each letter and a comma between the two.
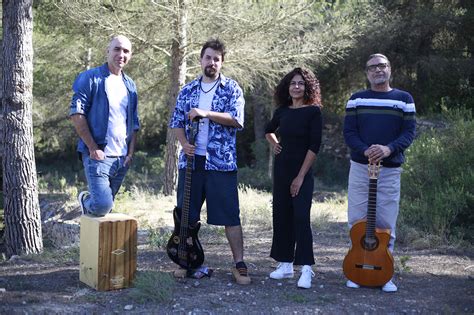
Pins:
x: 299, y: 83
x: 381, y: 66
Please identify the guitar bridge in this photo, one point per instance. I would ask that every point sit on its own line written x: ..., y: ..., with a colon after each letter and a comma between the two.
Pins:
x: 369, y: 267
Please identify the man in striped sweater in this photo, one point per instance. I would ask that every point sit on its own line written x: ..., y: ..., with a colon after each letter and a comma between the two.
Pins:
x: 379, y: 125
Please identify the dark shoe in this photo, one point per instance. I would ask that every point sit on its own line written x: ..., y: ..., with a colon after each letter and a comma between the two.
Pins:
x: 240, y: 273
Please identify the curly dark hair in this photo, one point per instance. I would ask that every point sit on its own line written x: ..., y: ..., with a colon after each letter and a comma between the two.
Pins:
x: 215, y: 44
x: 312, y: 92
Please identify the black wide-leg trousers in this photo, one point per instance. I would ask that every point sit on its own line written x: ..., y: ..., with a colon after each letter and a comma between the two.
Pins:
x: 292, y: 235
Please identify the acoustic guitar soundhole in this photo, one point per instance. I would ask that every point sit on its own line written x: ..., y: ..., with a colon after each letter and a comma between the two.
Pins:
x: 369, y: 243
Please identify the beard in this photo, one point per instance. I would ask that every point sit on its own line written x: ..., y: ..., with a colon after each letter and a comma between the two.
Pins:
x: 380, y: 80
x: 210, y: 72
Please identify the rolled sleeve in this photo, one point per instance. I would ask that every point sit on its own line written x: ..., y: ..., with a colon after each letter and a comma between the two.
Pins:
x: 80, y: 102
x: 237, y: 106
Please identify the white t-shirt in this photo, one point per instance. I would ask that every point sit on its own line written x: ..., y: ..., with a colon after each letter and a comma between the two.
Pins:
x: 205, y: 103
x: 117, y: 127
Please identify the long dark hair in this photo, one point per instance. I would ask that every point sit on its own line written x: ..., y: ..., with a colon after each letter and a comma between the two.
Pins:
x: 312, y: 92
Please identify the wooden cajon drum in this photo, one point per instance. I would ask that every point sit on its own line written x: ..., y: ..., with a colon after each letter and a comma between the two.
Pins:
x: 108, y: 251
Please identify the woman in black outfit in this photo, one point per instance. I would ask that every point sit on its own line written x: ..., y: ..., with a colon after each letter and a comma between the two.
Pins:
x: 299, y: 124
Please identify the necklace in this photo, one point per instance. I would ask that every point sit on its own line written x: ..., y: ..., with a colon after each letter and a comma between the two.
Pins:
x: 213, y: 86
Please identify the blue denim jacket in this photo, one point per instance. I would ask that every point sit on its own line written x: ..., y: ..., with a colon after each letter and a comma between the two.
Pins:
x: 90, y: 99
x: 221, y: 152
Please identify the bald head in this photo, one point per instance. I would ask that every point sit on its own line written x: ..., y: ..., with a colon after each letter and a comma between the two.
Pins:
x: 122, y: 39
x: 119, y: 52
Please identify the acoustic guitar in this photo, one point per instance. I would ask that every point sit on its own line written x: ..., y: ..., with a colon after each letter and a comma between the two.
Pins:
x: 183, y: 247
x: 369, y: 262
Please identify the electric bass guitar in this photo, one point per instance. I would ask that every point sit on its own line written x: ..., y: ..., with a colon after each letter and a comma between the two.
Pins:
x: 369, y: 262
x: 183, y: 247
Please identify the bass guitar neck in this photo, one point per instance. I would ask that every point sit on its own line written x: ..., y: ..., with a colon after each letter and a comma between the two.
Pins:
x: 183, y: 247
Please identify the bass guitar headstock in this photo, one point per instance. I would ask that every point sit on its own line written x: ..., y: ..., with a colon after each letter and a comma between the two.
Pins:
x: 374, y: 170
x: 193, y: 129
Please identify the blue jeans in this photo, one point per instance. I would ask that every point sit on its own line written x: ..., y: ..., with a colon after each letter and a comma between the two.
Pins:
x: 103, y: 180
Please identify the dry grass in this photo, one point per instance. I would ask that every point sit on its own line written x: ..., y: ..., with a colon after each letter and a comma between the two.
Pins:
x: 154, y: 213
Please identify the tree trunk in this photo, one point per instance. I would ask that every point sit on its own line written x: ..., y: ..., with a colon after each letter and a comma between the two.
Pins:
x: 20, y: 188
x: 1, y: 126
x: 177, y: 79
x: 259, y: 118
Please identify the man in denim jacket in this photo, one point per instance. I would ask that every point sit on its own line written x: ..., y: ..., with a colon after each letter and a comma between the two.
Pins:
x: 105, y: 116
x: 219, y: 102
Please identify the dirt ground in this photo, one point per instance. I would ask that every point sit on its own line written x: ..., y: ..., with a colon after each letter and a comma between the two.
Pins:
x: 429, y: 281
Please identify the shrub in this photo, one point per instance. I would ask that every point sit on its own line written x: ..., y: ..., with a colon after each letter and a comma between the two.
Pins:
x: 152, y: 286
x: 438, y: 180
x: 257, y: 175
x: 331, y: 171
x: 145, y: 172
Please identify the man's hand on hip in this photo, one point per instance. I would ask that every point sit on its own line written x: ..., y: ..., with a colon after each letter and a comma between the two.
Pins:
x: 97, y: 155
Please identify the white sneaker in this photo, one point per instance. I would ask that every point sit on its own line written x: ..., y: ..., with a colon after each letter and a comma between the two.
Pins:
x: 352, y: 285
x: 283, y: 270
x: 80, y: 198
x: 305, y: 279
x: 389, y: 287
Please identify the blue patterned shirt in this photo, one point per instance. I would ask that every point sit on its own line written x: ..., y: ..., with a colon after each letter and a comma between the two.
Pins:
x: 221, y: 152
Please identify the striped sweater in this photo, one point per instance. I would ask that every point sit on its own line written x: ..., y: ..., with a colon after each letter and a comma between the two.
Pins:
x: 386, y: 118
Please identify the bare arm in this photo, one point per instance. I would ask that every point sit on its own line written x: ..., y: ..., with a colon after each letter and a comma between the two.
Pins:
x: 221, y: 118
x: 273, y: 141
x: 131, y: 149
x: 82, y: 129
x: 298, y: 181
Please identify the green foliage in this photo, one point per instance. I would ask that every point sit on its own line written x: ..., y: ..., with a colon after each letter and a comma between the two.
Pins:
x: 331, y: 171
x: 69, y: 37
x: 152, y: 286
x: 403, y: 263
x: 430, y: 46
x: 438, y: 181
x: 257, y: 175
x: 158, y: 237
x: 146, y: 172
x: 60, y: 256
x: 62, y: 176
x: 296, y: 298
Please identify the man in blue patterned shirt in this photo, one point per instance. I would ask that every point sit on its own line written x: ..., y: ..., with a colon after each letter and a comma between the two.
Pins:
x: 218, y: 102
